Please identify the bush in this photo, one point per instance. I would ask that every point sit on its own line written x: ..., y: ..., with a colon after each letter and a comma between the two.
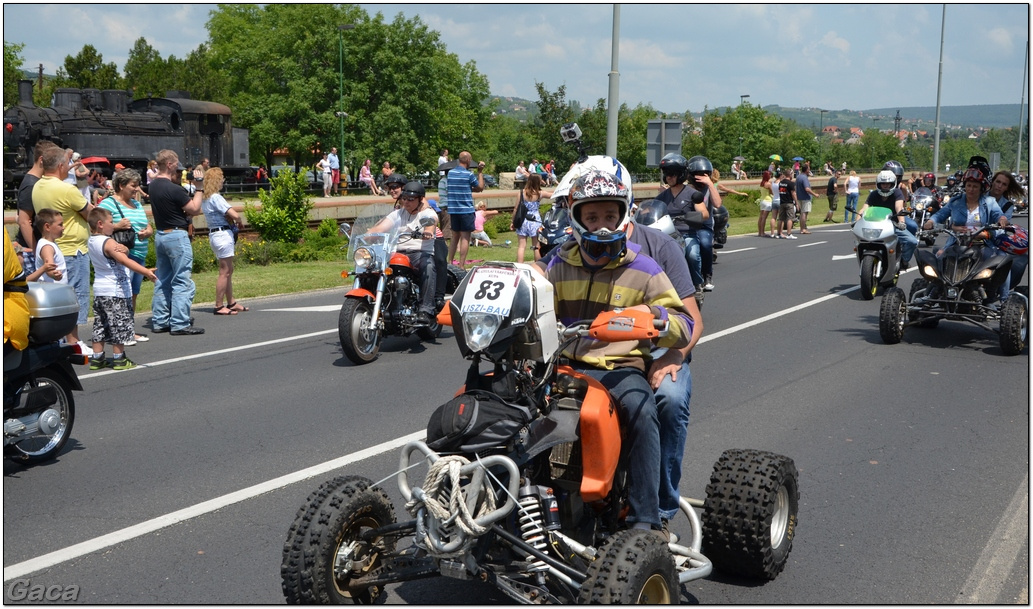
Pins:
x: 285, y: 208
x: 204, y: 257
x: 327, y: 228
x: 261, y: 252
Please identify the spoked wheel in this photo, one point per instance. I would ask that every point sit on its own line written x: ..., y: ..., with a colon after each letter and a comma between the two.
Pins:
x: 892, y: 315
x: 635, y: 567
x: 750, y: 513
x: 359, y: 339
x: 869, y: 277
x: 1014, y: 325
x: 922, y: 320
x: 55, y: 422
x: 325, y: 548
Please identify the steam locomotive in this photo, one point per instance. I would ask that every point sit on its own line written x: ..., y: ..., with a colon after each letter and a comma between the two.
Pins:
x: 107, y: 124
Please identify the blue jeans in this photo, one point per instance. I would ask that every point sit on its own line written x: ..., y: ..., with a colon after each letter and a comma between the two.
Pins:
x: 699, y: 253
x: 423, y: 263
x: 174, y: 290
x: 851, y: 204
x: 672, y: 406
x: 908, y: 243
x: 638, y: 417
x: 78, y: 269
x: 136, y: 279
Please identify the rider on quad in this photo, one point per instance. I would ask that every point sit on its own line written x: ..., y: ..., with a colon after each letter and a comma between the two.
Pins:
x: 414, y: 216
x: 601, y: 254
x: 888, y: 195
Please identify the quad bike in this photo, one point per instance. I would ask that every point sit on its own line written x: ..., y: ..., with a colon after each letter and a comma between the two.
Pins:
x: 385, y: 296
x: 960, y: 285
x: 877, y: 251
x: 527, y: 486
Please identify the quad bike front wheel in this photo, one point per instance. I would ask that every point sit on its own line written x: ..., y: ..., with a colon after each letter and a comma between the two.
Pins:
x: 325, y: 548
x: 892, y: 315
x: 922, y: 320
x: 750, y: 513
x: 360, y: 341
x: 869, y: 279
x: 635, y: 567
x: 1014, y: 325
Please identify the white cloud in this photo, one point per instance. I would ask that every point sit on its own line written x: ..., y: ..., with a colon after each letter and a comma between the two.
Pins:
x: 1001, y: 38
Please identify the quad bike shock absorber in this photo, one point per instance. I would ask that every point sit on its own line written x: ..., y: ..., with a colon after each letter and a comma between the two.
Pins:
x: 534, y: 519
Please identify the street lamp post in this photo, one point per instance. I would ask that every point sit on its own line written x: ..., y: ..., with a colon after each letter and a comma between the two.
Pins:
x: 742, y: 98
x: 340, y: 98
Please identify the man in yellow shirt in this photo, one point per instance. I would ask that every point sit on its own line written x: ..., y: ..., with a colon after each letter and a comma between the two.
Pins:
x: 51, y: 191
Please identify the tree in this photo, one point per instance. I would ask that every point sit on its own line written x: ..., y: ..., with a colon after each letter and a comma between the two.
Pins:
x: 553, y: 113
x: 13, y: 63
x: 146, y: 73
x: 87, y: 70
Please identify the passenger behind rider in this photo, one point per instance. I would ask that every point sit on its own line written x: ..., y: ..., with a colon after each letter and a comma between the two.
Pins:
x: 601, y: 256
x: 886, y: 194
x: 1007, y: 191
x: 414, y: 216
x: 700, y: 172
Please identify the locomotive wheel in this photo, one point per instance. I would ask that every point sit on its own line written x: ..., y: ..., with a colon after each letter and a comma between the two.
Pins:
x: 634, y: 567
x: 869, y: 282
x: 750, y: 513
x: 45, y: 447
x: 922, y: 319
x: 360, y: 342
x: 325, y: 549
x: 892, y: 315
x: 1014, y: 325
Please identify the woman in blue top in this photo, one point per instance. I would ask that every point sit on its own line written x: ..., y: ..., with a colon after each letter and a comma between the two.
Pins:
x: 221, y: 219
x: 973, y: 209
x: 128, y: 212
x: 531, y: 198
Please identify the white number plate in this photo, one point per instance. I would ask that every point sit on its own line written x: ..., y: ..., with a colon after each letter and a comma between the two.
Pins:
x: 491, y: 290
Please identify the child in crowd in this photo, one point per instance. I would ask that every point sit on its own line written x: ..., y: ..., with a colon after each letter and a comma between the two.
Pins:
x: 479, y: 237
x: 112, y: 292
x: 50, y: 263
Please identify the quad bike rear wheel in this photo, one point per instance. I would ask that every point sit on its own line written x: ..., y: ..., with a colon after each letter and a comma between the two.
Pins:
x: 325, y: 548
x: 635, y: 567
x: 922, y: 320
x: 750, y: 513
x: 892, y: 315
x: 1014, y: 325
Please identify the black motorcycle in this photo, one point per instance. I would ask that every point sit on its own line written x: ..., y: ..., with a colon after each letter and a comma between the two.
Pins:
x: 39, y: 408
x: 555, y: 229
x: 960, y: 285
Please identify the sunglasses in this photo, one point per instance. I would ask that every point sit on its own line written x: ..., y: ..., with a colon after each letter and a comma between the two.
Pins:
x: 409, y: 198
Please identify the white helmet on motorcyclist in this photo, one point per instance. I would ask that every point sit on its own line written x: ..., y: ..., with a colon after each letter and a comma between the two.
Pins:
x: 601, y: 246
x: 594, y: 162
x: 885, y: 183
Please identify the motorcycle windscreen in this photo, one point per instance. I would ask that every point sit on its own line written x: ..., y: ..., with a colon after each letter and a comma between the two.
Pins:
x: 877, y: 214
x: 600, y: 439
x: 366, y: 218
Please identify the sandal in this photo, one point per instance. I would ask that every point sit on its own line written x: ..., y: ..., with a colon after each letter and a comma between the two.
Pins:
x: 224, y: 310
x: 237, y: 308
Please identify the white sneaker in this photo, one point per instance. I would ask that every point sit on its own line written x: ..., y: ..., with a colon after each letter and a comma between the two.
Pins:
x: 140, y: 338
x: 790, y: 236
x: 708, y: 287
x: 86, y: 350
x: 130, y: 343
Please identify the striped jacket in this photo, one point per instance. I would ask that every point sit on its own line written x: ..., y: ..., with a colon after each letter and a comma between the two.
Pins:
x: 633, y: 279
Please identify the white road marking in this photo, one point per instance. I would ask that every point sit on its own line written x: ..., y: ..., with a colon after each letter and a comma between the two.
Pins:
x: 991, y: 571
x: 810, y: 244
x: 745, y: 249
x: 319, y: 309
x: 844, y: 257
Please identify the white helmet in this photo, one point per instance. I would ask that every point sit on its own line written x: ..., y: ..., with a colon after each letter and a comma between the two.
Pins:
x: 594, y: 162
x: 601, y: 246
x: 885, y: 183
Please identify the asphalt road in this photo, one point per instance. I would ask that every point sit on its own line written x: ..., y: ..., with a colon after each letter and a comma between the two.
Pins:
x: 183, y: 476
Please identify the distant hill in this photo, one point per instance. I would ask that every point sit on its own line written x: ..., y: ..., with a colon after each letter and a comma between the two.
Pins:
x: 920, y: 118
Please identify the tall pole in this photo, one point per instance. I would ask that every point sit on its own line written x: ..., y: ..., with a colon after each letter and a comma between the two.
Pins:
x: 742, y: 98
x: 1022, y: 115
x: 614, y: 102
x: 939, y: 86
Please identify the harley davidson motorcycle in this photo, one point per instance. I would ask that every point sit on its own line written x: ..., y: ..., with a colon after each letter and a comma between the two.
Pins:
x: 525, y: 484
x: 39, y: 407
x: 385, y: 296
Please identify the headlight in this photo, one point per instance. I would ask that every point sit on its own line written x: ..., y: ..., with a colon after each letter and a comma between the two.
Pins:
x: 929, y: 271
x: 871, y: 234
x: 363, y: 258
x: 479, y: 329
x: 985, y: 274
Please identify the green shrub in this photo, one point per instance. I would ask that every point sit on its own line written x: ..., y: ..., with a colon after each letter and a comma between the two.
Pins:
x: 285, y: 207
x: 204, y: 257
x: 327, y: 228
x: 261, y: 252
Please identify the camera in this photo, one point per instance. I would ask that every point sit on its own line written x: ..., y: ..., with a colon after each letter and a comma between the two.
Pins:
x: 570, y: 132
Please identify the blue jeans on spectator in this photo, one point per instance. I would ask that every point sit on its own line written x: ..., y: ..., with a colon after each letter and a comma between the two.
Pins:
x: 136, y: 279
x: 78, y: 269
x: 851, y: 204
x: 174, y: 290
x: 672, y: 406
x: 638, y: 417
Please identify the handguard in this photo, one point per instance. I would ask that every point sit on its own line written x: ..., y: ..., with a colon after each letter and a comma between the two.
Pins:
x: 624, y: 324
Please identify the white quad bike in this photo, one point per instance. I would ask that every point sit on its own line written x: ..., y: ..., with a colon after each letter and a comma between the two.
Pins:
x: 526, y: 485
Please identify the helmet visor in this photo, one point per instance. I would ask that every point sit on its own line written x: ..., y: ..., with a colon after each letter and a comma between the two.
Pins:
x: 886, y: 187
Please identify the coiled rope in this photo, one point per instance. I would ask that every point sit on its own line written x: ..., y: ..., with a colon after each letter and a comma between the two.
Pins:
x: 444, y: 499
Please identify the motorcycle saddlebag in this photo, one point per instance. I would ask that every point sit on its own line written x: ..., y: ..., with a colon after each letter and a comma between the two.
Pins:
x: 53, y: 310
x: 475, y: 421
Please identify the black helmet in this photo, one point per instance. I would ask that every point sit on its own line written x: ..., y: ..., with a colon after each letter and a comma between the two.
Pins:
x: 981, y: 164
x: 395, y: 178
x: 896, y: 168
x: 413, y: 189
x: 700, y: 164
x: 676, y: 165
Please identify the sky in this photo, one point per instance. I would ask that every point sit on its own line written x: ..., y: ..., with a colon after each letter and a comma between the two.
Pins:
x: 675, y: 57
